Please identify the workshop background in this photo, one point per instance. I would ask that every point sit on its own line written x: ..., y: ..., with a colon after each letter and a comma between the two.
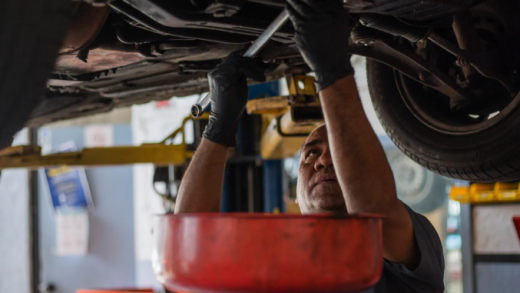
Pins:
x: 107, y: 243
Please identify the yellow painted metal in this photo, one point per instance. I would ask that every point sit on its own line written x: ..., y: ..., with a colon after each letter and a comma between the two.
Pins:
x: 282, y: 136
x: 486, y: 193
x: 301, y: 87
x: 275, y: 145
x: 163, y: 153
x: 481, y: 192
x: 291, y: 207
x: 20, y: 150
x: 460, y: 194
x: 506, y: 191
x: 169, y: 138
x: 158, y: 154
x: 273, y: 105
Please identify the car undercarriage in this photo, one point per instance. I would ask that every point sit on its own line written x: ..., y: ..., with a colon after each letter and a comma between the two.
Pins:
x: 118, y: 53
x: 443, y: 75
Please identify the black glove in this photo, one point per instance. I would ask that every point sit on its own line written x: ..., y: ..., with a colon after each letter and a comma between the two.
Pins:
x: 322, y: 35
x: 229, y: 91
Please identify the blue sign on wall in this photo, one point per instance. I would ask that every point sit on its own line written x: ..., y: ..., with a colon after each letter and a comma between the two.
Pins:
x: 67, y: 186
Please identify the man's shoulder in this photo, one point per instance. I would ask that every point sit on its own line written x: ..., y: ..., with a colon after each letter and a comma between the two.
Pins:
x: 429, y: 274
x: 424, y: 229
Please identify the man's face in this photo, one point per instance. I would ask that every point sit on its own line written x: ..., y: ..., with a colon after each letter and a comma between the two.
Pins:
x: 318, y: 187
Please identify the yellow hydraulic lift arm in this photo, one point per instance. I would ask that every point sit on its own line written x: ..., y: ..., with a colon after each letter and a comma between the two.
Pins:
x: 163, y: 153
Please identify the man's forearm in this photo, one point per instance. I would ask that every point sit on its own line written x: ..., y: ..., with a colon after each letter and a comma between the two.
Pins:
x: 359, y: 159
x: 201, y: 186
x: 363, y: 171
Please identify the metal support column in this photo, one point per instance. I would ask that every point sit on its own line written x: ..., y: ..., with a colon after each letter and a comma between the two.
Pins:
x: 273, y: 186
x: 244, y: 179
x: 468, y: 265
x: 34, y: 229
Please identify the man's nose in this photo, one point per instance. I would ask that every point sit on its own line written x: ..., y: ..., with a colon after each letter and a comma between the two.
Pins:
x: 324, y: 161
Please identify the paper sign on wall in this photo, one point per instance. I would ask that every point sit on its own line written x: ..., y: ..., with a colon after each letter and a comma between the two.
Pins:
x: 98, y: 136
x: 67, y: 187
x: 72, y: 232
x: 70, y: 198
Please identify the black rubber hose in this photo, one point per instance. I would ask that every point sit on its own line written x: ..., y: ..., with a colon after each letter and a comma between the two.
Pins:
x: 393, y: 26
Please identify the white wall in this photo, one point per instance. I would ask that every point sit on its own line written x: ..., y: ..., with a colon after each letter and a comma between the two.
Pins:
x: 151, y: 122
x: 14, y: 227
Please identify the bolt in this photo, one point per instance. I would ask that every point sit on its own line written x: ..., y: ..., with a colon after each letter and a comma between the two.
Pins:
x: 421, y: 44
x: 154, y: 51
x: 226, y: 12
x: 368, y: 43
x: 220, y: 13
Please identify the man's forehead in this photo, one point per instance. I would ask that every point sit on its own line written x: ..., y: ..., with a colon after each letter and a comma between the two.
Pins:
x: 317, y: 136
x: 319, y: 133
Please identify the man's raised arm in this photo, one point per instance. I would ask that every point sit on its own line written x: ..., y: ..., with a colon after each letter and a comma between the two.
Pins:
x: 201, y: 186
x: 366, y: 180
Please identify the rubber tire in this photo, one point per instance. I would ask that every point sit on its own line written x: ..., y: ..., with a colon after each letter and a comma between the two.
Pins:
x: 431, y: 190
x: 31, y: 32
x: 491, y: 155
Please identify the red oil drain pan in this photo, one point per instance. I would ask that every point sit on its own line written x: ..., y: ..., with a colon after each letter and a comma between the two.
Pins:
x: 278, y: 253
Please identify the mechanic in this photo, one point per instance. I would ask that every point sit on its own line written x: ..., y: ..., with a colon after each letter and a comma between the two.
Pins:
x: 343, y: 168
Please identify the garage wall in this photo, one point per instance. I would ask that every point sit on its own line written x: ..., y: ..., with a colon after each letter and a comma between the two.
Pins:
x: 109, y: 262
x: 152, y: 122
x: 490, y: 248
x: 14, y: 227
x: 494, y: 232
x: 497, y: 277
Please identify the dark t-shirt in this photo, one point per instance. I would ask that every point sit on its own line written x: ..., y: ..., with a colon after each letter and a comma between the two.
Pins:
x: 428, y: 276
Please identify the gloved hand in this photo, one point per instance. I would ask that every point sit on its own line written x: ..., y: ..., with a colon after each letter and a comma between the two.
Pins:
x: 322, y: 35
x: 229, y: 91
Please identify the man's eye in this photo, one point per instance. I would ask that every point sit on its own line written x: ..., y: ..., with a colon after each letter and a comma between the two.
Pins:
x: 313, y: 153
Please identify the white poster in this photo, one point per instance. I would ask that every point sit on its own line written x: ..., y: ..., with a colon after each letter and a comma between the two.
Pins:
x: 98, y: 136
x: 72, y: 232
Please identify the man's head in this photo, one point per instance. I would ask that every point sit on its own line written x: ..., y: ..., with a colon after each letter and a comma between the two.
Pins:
x: 318, y: 187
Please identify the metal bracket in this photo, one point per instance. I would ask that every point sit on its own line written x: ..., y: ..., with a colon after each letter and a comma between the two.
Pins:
x: 381, y: 47
x: 302, y: 91
x: 282, y: 134
x: 224, y: 8
x: 290, y: 118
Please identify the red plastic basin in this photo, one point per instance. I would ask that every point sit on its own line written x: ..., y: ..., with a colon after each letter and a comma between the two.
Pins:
x: 130, y: 290
x: 267, y: 253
